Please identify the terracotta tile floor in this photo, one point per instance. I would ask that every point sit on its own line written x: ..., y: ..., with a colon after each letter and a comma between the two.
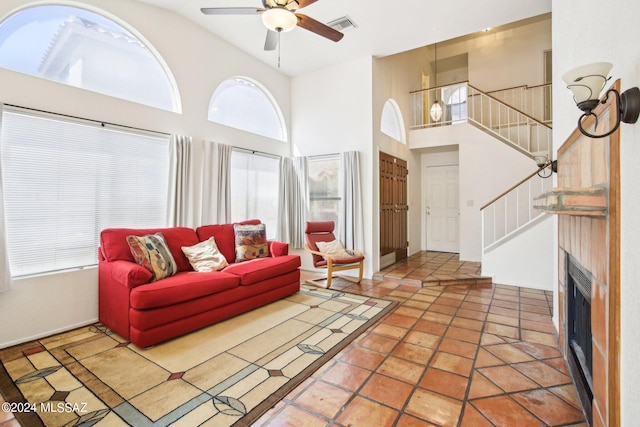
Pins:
x: 469, y: 355
x: 461, y: 355
x: 433, y: 269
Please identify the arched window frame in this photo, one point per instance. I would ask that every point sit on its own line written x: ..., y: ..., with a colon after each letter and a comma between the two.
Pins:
x: 281, y: 124
x: 173, y: 86
x: 391, y: 113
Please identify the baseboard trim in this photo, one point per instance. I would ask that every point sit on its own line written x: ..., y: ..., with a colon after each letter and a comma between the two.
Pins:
x: 48, y: 333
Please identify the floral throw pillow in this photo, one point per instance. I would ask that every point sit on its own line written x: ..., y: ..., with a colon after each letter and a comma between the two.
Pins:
x: 151, y: 252
x: 205, y: 256
x: 251, y: 242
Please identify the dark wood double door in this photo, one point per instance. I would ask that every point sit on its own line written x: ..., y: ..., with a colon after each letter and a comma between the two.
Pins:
x: 393, y: 206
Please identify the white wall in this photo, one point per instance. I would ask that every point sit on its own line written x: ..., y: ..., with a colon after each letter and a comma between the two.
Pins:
x: 38, y: 306
x: 526, y: 259
x: 613, y: 37
x: 487, y: 168
x: 331, y: 113
x: 494, y: 56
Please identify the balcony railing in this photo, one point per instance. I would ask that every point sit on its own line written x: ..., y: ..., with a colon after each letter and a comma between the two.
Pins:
x: 452, y: 99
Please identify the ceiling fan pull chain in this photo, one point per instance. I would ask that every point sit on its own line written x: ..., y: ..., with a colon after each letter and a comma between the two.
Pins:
x: 279, y: 33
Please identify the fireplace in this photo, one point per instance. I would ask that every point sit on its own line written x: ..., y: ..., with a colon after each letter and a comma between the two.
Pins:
x: 579, y: 345
x: 587, y: 202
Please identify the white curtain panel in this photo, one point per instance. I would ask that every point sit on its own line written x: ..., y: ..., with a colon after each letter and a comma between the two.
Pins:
x: 294, y: 195
x: 351, y: 230
x: 215, y: 185
x: 5, y: 271
x: 179, y: 180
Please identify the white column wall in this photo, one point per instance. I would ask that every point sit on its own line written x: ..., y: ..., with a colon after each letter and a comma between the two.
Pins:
x: 331, y: 113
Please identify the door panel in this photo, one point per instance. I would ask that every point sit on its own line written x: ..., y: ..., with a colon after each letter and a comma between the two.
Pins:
x: 443, y: 212
x: 393, y: 206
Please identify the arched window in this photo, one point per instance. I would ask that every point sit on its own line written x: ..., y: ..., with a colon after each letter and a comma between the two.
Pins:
x: 244, y: 104
x: 85, y: 49
x: 392, y: 123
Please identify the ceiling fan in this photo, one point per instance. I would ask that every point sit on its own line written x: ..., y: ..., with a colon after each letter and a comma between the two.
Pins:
x: 280, y: 16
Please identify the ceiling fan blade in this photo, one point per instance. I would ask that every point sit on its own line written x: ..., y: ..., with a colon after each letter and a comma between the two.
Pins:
x: 305, y: 3
x: 319, y: 28
x: 231, y: 10
x: 271, y: 41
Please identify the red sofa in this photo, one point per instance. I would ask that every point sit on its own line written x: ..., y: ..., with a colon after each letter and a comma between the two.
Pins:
x: 148, y: 313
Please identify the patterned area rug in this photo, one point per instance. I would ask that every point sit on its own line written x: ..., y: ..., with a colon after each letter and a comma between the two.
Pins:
x: 226, y: 374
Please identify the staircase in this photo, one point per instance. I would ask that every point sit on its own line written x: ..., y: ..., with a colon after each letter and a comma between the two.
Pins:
x: 463, y: 102
x: 513, y: 232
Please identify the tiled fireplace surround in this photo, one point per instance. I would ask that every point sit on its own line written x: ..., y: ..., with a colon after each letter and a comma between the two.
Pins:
x: 589, y: 232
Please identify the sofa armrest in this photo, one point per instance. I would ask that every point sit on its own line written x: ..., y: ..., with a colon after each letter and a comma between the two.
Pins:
x: 127, y: 273
x: 278, y: 248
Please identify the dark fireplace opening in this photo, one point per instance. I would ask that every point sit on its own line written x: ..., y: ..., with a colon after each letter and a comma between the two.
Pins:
x: 579, y: 344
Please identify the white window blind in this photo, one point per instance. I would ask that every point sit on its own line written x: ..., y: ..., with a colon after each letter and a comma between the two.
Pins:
x: 65, y: 181
x: 324, y: 188
x: 254, y: 189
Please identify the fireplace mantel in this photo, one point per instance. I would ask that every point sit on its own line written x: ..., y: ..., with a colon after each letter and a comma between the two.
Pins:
x: 590, y: 201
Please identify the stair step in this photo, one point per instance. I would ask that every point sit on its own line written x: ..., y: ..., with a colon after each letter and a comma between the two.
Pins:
x: 434, y: 281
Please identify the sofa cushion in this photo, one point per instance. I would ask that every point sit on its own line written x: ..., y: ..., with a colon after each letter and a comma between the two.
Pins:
x: 205, y: 256
x: 152, y: 253
x: 224, y: 235
x: 182, y: 287
x: 251, y: 242
x: 225, y: 239
x: 260, y: 269
x: 114, y: 246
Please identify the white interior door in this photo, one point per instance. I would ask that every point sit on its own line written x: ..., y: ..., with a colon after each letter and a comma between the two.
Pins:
x: 442, y: 208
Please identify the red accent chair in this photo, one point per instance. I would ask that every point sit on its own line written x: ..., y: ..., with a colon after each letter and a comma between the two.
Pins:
x: 322, y: 231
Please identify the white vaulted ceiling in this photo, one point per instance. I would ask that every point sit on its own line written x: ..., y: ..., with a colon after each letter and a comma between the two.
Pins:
x: 383, y: 27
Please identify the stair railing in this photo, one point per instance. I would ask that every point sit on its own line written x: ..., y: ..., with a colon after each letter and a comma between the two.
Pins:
x: 534, y: 101
x: 463, y: 102
x: 513, y: 127
x: 503, y: 216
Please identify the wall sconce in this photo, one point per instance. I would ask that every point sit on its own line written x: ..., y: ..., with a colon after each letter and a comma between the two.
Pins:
x: 587, y: 82
x: 542, y: 161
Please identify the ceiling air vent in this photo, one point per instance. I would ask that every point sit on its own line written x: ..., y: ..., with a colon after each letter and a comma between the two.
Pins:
x: 342, y: 24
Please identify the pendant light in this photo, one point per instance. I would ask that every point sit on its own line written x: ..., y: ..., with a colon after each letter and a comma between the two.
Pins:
x: 436, y: 109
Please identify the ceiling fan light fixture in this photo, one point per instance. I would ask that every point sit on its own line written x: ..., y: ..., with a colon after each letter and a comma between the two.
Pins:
x: 279, y: 19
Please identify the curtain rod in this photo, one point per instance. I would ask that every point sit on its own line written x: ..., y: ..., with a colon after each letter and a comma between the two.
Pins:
x: 248, y: 150
x: 102, y: 123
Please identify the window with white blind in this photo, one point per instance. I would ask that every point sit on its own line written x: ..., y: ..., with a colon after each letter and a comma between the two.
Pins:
x: 324, y: 188
x: 255, y: 181
x: 65, y: 181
